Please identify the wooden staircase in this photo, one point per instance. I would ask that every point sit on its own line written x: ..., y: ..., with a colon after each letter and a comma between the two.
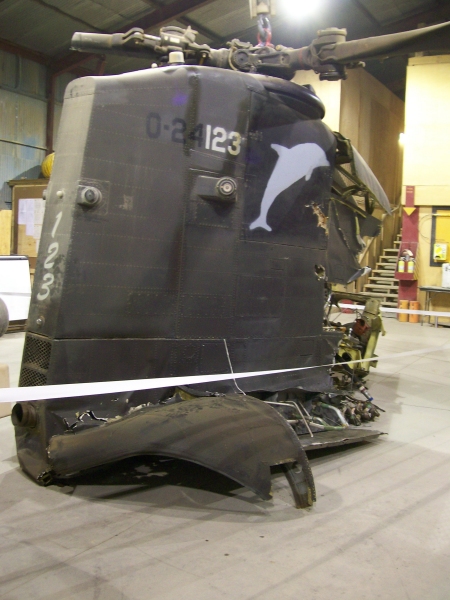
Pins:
x: 381, y: 283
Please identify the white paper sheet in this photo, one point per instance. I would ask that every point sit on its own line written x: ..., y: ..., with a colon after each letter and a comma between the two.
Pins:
x: 29, y: 223
x: 22, y: 216
x: 39, y: 210
x: 31, y: 214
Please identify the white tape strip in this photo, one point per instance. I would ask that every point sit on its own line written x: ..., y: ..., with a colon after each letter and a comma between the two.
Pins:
x: 72, y: 390
x: 405, y: 311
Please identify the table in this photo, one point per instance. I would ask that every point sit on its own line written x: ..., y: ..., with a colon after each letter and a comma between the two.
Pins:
x: 432, y: 289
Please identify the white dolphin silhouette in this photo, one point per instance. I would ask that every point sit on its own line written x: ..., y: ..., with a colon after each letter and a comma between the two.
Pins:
x: 292, y: 164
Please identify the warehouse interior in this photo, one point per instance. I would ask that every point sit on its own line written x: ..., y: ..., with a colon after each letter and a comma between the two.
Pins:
x: 154, y: 526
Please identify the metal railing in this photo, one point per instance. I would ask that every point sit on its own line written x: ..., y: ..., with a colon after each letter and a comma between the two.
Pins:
x: 369, y: 257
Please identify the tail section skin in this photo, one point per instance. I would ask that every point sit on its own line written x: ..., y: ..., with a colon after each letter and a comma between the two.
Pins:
x: 292, y: 165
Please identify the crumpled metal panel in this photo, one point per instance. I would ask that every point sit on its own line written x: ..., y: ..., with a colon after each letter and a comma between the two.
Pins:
x: 342, y: 249
x: 330, y: 439
x: 238, y: 436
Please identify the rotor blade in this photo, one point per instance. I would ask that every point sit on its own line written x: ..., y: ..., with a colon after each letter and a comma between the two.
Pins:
x: 133, y: 43
x: 434, y: 38
x: 367, y: 176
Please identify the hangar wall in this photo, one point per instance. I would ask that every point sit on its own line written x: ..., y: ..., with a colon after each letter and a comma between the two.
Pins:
x: 23, y: 113
x: 373, y: 118
x: 426, y: 162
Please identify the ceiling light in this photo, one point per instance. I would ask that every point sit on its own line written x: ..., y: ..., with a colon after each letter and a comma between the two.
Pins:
x: 298, y: 8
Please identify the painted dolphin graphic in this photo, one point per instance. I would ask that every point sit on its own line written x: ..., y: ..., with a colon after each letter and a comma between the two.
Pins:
x: 292, y: 164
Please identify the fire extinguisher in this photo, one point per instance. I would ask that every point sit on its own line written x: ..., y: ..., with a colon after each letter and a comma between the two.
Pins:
x: 401, y: 265
x: 411, y: 264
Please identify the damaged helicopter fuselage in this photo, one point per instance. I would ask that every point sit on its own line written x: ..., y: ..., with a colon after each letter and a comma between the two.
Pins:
x: 170, y: 227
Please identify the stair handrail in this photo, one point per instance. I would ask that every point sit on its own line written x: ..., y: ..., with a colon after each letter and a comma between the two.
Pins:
x: 379, y: 242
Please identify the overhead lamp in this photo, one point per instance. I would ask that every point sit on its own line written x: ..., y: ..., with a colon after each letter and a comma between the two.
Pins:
x: 299, y: 8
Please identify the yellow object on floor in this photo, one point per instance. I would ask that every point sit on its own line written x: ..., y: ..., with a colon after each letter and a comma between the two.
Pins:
x: 413, y: 305
x: 405, y: 305
x: 5, y: 409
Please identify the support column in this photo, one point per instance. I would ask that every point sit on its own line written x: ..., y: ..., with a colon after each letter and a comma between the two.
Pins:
x: 51, y: 92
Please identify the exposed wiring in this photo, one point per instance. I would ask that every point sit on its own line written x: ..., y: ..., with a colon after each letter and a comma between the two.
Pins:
x: 231, y: 367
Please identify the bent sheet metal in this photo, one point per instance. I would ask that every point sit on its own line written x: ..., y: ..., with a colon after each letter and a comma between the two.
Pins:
x: 170, y: 227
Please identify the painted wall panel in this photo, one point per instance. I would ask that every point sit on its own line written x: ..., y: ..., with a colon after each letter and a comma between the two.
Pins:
x: 23, y: 112
x: 426, y: 164
x: 9, y: 70
x: 427, y: 123
x: 17, y: 162
x: 32, y: 78
x: 61, y: 83
x: 23, y: 115
x: 22, y: 75
x: 22, y: 119
x: 31, y: 120
x: 372, y: 117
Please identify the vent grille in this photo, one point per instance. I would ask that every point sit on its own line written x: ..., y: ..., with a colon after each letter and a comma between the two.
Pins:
x: 30, y: 378
x: 37, y: 352
x: 36, y: 361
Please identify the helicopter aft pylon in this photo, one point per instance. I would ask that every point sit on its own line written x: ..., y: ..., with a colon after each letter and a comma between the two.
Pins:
x: 150, y: 258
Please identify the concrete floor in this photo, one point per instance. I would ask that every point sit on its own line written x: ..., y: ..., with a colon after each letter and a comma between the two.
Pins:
x: 380, y: 527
